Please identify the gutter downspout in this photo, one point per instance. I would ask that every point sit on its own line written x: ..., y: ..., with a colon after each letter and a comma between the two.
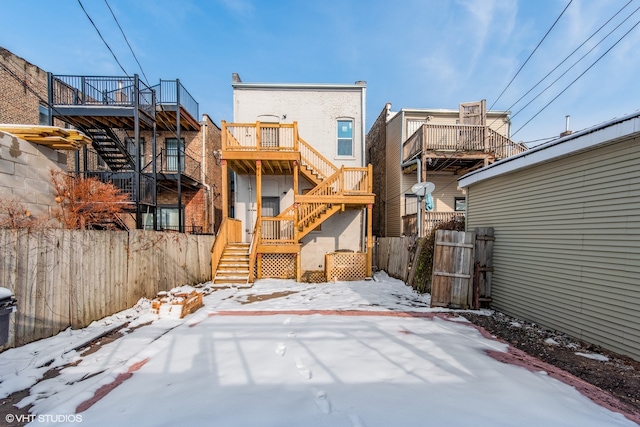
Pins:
x: 419, y: 177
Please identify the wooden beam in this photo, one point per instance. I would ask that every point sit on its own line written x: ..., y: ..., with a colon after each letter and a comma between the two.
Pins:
x: 369, y: 240
x: 360, y: 199
x: 253, y: 155
x: 291, y: 248
x: 258, y: 190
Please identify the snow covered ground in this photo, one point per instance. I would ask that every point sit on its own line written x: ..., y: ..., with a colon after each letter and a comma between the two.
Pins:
x: 288, y: 354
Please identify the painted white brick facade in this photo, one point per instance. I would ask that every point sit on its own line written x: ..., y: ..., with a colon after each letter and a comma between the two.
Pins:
x: 316, y: 108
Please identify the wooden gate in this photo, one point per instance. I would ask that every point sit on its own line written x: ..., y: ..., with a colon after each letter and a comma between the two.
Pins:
x: 453, y: 267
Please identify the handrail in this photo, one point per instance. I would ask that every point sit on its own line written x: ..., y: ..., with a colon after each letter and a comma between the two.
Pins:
x: 259, y: 136
x: 253, y: 250
x: 168, y: 161
x: 168, y: 91
x: 460, y: 138
x: 310, y: 157
x: 102, y: 91
x: 274, y: 230
x: 230, y: 231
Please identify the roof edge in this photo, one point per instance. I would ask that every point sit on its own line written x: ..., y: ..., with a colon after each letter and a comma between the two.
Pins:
x: 583, y: 140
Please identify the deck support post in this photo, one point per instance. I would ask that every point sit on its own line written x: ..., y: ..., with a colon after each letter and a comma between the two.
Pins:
x: 369, y: 240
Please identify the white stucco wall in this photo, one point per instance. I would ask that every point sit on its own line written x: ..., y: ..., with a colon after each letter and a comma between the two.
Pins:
x: 25, y: 173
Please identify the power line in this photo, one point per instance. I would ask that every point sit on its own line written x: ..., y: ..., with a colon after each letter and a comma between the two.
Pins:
x: 103, y: 40
x: 126, y: 40
x: 569, y: 56
x: 530, y: 55
x: 575, y: 63
x: 577, y: 78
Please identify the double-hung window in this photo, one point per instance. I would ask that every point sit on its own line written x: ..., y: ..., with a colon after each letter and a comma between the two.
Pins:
x: 345, y: 138
x: 171, y: 152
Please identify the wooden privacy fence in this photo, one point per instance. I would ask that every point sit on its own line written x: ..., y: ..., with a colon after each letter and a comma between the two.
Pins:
x: 452, y: 281
x: 462, y: 265
x: 69, y: 278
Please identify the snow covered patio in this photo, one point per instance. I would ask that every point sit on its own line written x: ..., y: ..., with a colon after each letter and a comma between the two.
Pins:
x: 288, y: 354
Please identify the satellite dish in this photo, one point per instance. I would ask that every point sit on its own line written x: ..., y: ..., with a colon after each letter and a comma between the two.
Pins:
x: 421, y: 189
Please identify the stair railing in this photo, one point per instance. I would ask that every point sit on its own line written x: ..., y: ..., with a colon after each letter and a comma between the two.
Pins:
x: 253, y: 250
x: 314, y: 160
x: 230, y: 231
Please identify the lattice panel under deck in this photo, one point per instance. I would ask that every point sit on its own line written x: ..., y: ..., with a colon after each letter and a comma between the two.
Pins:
x: 279, y: 266
x: 346, y: 266
x: 312, y: 276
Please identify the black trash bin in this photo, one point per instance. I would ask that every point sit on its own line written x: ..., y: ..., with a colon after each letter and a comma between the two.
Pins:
x: 7, y: 306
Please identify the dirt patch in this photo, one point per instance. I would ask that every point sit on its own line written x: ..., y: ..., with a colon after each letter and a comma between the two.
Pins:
x: 266, y: 297
x: 616, y: 374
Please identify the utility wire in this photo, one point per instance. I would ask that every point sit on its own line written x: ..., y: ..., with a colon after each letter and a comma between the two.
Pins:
x: 575, y: 63
x: 577, y: 78
x: 103, y: 40
x: 530, y: 55
x: 569, y: 56
x: 126, y: 40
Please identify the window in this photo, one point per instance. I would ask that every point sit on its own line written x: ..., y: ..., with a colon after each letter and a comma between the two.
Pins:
x: 460, y: 204
x: 171, y: 154
x: 410, y: 204
x: 345, y: 138
x: 43, y: 118
x: 168, y: 218
x: 131, y: 147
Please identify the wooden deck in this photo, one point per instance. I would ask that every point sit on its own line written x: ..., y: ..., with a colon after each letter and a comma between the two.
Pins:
x: 277, y: 149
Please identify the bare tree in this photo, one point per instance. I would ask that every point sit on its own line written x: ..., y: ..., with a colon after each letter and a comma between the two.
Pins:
x: 14, y: 214
x: 87, y: 203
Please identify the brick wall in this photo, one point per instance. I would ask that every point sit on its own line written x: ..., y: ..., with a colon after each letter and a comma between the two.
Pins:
x: 376, y: 155
x: 22, y: 87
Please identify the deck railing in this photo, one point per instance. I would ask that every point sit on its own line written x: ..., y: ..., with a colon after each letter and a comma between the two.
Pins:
x: 167, y: 162
x: 259, y: 136
x: 316, y: 161
x: 461, y: 138
x: 274, y: 230
x: 429, y: 221
x: 230, y: 231
x: 125, y: 182
x: 102, y: 91
x: 168, y: 91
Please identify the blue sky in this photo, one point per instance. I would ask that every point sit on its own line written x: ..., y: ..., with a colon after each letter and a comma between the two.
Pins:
x: 413, y: 53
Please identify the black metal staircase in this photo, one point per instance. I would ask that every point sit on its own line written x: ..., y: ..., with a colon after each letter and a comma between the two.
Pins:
x: 112, y: 150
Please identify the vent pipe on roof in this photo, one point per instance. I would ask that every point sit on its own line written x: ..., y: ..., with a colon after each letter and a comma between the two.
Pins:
x: 566, y: 127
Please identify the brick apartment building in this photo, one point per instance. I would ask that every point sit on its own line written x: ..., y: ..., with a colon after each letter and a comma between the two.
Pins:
x: 185, y: 195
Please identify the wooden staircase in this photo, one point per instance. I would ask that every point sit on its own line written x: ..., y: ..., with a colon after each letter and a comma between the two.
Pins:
x: 278, y: 239
x: 233, y: 267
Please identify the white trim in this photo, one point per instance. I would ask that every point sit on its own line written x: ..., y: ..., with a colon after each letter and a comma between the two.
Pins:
x: 584, y: 140
x: 353, y: 140
x: 298, y: 86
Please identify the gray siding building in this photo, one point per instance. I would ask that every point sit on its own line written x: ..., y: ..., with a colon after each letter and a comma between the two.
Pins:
x: 566, y: 216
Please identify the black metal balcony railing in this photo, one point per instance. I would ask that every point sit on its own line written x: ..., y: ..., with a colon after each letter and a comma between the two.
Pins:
x: 167, y: 162
x: 102, y: 91
x: 125, y: 181
x: 168, y: 91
